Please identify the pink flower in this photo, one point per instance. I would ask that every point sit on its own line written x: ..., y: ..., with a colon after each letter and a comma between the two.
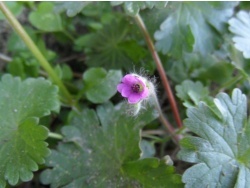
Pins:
x: 133, y: 87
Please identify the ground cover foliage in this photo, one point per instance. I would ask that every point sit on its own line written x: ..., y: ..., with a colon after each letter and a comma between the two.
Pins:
x: 63, y: 124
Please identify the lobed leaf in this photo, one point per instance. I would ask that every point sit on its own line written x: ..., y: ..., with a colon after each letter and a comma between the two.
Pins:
x: 190, y: 27
x: 71, y: 8
x: 94, y: 155
x: 132, y: 8
x: 240, y: 27
x: 152, y: 172
x: 194, y: 66
x: 222, y: 150
x: 111, y: 47
x: 22, y: 140
x: 45, y: 19
x: 192, y: 93
x: 64, y: 72
x: 147, y: 149
x: 100, y: 84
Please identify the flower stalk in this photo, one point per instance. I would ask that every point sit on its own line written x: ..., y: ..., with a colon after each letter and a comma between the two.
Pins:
x: 165, y: 122
x: 160, y: 69
x: 36, y: 52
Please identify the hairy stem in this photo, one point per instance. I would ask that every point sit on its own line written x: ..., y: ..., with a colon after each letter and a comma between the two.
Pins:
x: 160, y: 69
x: 36, y: 52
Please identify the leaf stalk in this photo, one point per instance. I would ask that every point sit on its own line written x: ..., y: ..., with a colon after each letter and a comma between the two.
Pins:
x: 36, y: 52
x: 55, y: 135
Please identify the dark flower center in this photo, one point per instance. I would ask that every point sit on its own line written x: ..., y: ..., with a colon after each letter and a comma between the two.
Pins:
x: 137, y: 88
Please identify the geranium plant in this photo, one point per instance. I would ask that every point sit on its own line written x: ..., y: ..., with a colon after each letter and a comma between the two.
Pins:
x: 124, y: 94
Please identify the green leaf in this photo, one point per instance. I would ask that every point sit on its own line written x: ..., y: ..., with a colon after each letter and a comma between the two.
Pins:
x: 147, y: 149
x: 45, y: 19
x: 244, y: 5
x: 222, y: 150
x: 152, y: 172
x: 100, y: 84
x: 18, y: 48
x: 133, y: 50
x: 191, y: 27
x: 22, y: 149
x: 132, y: 8
x: 208, y: 68
x: 240, y: 27
x: 192, y: 93
x: 64, y: 72
x: 18, y: 67
x: 15, y: 44
x: 15, y: 7
x: 93, y: 155
x: 219, y: 72
x: 237, y: 58
x: 105, y: 48
x: 182, y: 69
x: 99, y: 9
x: 153, y: 18
x: 71, y: 8
x: 22, y: 140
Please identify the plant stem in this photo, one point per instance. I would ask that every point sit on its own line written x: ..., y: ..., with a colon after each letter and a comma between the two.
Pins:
x: 55, y: 135
x: 5, y: 58
x: 154, y: 132
x: 165, y: 122
x: 36, y: 52
x: 160, y: 69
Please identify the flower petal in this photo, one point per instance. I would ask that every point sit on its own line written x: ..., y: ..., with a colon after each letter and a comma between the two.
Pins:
x: 129, y: 79
x: 120, y: 87
x: 134, y: 98
x: 144, y: 93
x: 126, y: 91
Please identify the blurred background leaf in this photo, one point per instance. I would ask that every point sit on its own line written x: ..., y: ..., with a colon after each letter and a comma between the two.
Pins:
x: 193, y: 27
x: 100, y: 85
x: 45, y: 19
x: 132, y: 8
x: 71, y: 8
x: 240, y: 27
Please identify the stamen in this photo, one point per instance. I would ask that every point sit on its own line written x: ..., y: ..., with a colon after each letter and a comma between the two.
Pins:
x: 136, y: 88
